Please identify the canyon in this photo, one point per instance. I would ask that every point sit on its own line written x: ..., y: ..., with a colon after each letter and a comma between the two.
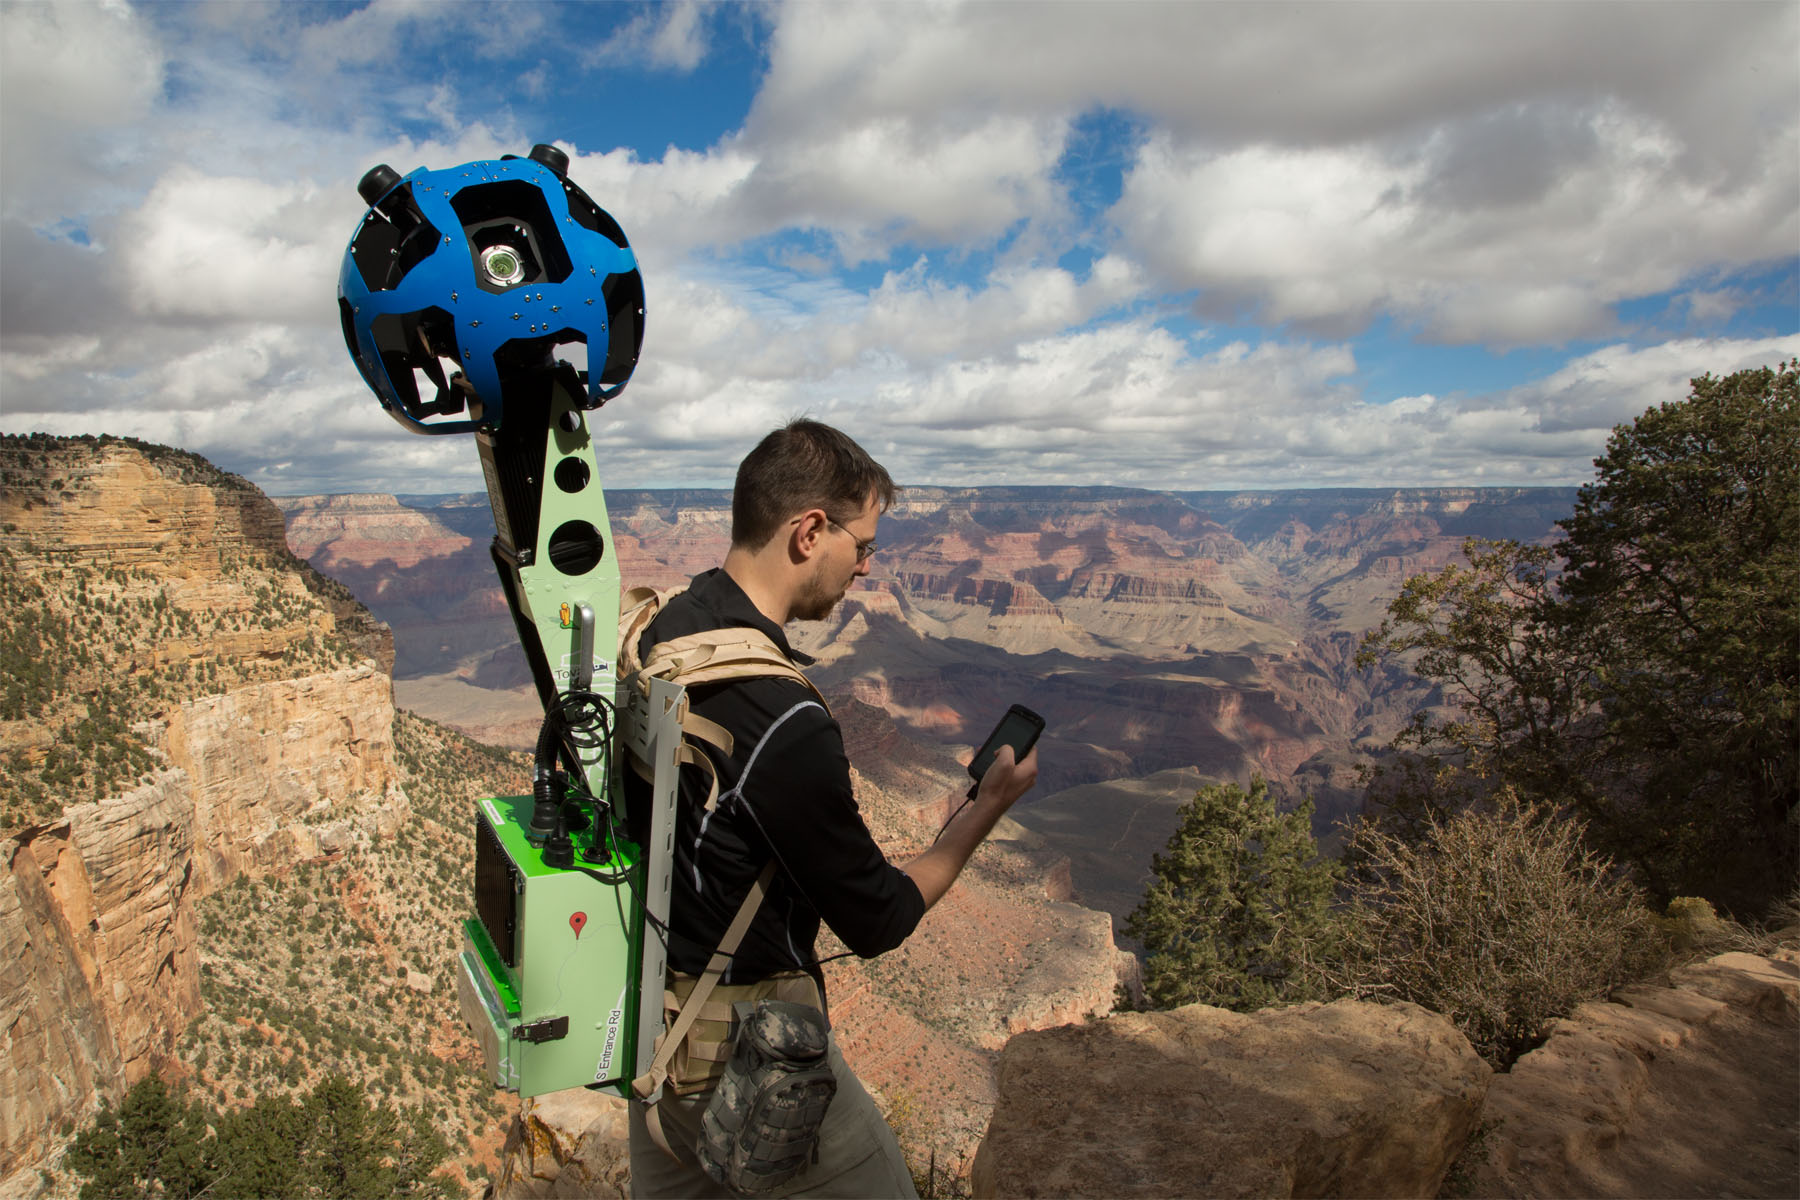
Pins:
x: 1169, y: 639
x: 221, y: 836
x: 266, y: 716
x: 216, y: 820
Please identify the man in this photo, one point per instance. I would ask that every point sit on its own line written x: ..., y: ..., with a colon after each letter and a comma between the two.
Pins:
x: 803, y: 523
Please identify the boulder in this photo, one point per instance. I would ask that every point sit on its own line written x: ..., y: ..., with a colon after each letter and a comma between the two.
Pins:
x: 569, y: 1143
x: 1769, y: 987
x: 1343, y: 1099
x: 1682, y: 1090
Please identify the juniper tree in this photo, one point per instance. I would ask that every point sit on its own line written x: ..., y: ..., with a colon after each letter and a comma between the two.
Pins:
x: 1683, y: 579
x: 1238, y: 914
x: 1642, y: 674
x: 154, y: 1143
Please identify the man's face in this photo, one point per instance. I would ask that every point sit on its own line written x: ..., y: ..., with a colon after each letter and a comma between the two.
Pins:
x: 838, y: 564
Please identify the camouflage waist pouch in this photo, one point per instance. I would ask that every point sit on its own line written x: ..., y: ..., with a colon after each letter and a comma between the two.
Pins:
x: 761, y: 1127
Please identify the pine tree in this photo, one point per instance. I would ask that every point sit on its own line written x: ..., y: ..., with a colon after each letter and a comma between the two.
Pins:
x: 1239, y: 913
x: 154, y: 1144
x: 332, y: 1144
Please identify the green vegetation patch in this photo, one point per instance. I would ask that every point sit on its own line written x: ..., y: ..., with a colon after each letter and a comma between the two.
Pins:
x: 344, y: 967
x: 102, y: 640
x: 329, y: 1142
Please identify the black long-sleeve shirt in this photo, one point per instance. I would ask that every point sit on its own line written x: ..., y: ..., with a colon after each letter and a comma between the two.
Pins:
x: 784, y: 792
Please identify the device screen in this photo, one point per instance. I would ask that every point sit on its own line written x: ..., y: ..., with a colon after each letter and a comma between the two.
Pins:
x: 1019, y: 728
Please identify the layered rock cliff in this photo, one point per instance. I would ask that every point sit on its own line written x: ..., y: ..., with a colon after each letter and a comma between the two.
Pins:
x: 1206, y: 630
x: 201, y: 706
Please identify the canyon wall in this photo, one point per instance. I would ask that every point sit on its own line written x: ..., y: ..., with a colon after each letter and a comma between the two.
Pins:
x: 1210, y: 630
x: 97, y: 908
x: 173, y: 622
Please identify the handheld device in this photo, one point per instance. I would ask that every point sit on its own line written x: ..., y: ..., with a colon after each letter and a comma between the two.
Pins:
x: 1019, y: 728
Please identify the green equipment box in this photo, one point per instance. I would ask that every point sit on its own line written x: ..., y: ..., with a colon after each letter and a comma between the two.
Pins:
x: 548, y: 976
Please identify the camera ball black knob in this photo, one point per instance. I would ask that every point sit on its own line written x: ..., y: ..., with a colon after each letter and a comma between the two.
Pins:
x: 551, y: 157
x: 378, y: 182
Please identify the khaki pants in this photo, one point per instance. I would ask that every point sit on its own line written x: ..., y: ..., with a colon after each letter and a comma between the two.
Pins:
x: 858, y: 1156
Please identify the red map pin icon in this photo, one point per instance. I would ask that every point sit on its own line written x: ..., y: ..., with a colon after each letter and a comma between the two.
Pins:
x: 576, y: 921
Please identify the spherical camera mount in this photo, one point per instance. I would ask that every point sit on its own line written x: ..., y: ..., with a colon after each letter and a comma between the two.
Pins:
x: 463, y: 285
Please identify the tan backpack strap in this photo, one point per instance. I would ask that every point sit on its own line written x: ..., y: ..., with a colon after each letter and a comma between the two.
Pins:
x: 654, y: 1127
x: 695, y: 756
x: 637, y: 608
x: 647, y: 1083
x: 697, y: 726
x: 721, y: 655
x: 691, y: 755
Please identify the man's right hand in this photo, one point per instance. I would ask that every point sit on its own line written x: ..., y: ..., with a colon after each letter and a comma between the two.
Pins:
x: 1005, y: 780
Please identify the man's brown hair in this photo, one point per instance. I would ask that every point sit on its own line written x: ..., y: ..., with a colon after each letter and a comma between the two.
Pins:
x: 804, y: 464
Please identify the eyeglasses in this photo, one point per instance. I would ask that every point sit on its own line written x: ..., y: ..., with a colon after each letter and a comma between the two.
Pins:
x: 863, y: 549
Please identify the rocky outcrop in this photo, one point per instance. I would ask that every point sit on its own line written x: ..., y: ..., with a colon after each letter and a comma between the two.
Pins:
x: 96, y: 909
x: 96, y: 926
x: 1343, y: 1099
x: 567, y: 1144
x: 362, y: 530
x: 1681, y: 1090
x: 1001, y: 597
x: 131, y: 504
x: 288, y: 770
x: 434, y: 586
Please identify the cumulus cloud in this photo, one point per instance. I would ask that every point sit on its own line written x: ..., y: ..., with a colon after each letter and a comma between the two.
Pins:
x: 1615, y: 384
x: 103, y: 68
x: 231, y: 249
x: 1319, y: 164
x: 909, y: 234
x: 1532, y: 250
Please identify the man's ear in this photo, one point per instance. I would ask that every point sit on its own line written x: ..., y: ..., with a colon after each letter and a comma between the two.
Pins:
x: 809, y: 529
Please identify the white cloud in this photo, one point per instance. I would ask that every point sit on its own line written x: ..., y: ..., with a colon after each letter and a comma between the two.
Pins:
x: 1331, y: 237
x: 672, y: 36
x: 179, y: 187
x: 1286, y: 73
x: 210, y: 248
x: 1487, y: 173
x: 671, y: 206
x: 103, y: 69
x: 1615, y: 384
x: 893, y: 180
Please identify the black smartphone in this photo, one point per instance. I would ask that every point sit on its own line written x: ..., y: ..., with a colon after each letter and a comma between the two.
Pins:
x: 1019, y: 728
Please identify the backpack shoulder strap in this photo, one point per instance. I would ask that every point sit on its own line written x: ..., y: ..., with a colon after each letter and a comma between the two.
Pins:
x: 637, y: 608
x: 721, y: 655
x: 711, y: 656
x: 652, y: 1079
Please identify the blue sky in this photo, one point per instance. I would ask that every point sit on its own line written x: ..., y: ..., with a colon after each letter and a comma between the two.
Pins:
x: 1158, y: 244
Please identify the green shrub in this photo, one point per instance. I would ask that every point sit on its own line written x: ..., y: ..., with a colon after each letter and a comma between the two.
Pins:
x: 1499, y: 918
x: 1238, y: 910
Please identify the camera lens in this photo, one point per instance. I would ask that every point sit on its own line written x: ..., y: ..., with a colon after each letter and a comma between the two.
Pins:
x: 502, y: 265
